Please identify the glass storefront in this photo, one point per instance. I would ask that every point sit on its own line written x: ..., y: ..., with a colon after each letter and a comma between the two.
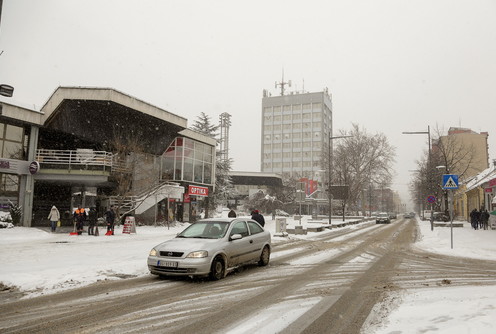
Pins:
x: 188, y: 160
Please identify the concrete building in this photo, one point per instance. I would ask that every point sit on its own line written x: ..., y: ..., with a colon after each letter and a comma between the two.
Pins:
x: 247, y: 184
x: 96, y: 147
x: 471, y: 149
x: 295, y: 130
x: 467, y: 153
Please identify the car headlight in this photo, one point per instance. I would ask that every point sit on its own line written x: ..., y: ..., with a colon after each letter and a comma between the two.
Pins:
x: 198, y: 254
x: 153, y: 252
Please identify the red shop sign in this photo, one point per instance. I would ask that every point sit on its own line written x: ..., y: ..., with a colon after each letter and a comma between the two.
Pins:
x: 197, y: 191
x: 492, y: 182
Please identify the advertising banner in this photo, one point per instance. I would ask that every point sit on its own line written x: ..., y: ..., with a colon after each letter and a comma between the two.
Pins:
x: 198, y: 191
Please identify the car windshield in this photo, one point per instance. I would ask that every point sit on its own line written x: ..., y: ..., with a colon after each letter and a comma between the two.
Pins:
x: 383, y: 215
x: 205, y: 230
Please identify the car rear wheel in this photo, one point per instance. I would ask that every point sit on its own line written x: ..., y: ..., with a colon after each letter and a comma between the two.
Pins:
x: 264, y: 257
x: 218, y: 269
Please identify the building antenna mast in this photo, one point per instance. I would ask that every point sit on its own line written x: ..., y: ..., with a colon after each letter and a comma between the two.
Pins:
x: 282, y: 83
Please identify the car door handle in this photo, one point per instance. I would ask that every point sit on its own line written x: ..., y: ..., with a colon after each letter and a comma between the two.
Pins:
x: 251, y: 241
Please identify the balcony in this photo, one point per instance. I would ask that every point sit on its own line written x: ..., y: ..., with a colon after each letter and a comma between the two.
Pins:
x: 83, y: 160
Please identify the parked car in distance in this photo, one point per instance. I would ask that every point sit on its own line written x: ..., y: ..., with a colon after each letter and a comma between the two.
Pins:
x: 409, y: 215
x: 382, y: 218
x: 426, y: 215
x: 392, y: 215
x: 211, y: 247
x: 440, y: 217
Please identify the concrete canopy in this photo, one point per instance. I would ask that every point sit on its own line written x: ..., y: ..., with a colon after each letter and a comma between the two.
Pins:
x: 100, y: 115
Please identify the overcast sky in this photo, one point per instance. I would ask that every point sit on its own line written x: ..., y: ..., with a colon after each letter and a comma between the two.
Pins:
x: 390, y: 65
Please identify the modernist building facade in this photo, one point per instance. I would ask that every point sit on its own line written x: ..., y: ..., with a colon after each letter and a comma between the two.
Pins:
x: 295, y: 130
x: 96, y: 147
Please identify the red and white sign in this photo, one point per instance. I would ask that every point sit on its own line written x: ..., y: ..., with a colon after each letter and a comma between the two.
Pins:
x: 492, y: 182
x: 197, y: 191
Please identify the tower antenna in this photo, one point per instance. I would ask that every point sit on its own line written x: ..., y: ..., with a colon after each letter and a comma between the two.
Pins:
x: 282, y: 83
x: 225, y: 123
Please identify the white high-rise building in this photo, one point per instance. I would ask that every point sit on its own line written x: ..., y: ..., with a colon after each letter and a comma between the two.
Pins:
x: 295, y: 129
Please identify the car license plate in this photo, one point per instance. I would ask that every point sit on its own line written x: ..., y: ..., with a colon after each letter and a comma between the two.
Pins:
x: 167, y: 264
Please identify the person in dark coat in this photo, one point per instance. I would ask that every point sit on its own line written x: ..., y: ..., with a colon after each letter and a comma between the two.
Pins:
x: 92, y: 216
x: 258, y: 217
x: 485, y: 219
x: 231, y: 214
x: 110, y: 219
x: 474, y: 219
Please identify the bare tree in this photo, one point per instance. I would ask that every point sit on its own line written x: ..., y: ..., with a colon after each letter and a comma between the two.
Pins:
x: 133, y: 170
x: 456, y: 155
x: 359, y: 160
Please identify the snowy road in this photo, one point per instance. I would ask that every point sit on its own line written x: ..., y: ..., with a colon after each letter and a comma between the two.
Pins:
x: 331, y: 283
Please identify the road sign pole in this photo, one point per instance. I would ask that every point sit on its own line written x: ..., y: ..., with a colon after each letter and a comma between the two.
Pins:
x: 451, y: 214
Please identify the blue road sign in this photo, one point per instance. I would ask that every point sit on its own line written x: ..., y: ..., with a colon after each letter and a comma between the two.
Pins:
x: 450, y: 181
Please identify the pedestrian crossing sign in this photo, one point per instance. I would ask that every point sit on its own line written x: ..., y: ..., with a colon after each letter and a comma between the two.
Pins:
x: 450, y: 181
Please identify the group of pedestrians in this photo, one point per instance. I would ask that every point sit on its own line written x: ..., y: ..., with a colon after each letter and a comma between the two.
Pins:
x: 255, y: 215
x: 80, y: 217
x: 479, y: 219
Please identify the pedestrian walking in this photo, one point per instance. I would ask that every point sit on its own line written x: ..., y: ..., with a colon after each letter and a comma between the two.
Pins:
x: 54, y: 217
x: 485, y: 219
x: 110, y: 219
x: 80, y: 218
x: 231, y: 214
x: 92, y: 216
x: 258, y: 217
x: 474, y: 219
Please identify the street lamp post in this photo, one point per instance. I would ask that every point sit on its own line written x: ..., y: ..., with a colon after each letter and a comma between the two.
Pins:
x: 329, y: 194
x: 428, y: 133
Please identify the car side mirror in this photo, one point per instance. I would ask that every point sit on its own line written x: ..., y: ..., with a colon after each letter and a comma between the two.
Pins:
x: 236, y: 237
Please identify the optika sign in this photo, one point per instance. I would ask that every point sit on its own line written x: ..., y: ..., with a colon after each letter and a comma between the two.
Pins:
x: 197, y: 191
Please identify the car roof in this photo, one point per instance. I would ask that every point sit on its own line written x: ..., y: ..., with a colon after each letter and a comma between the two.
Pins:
x: 222, y: 220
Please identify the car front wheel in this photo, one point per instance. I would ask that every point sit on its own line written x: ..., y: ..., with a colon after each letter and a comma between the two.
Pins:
x: 264, y: 257
x: 218, y: 269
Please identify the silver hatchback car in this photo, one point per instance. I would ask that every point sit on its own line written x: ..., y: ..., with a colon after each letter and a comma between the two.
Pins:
x: 211, y: 247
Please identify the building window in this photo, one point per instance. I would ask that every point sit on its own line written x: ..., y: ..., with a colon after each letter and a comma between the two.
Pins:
x: 277, y: 110
x: 296, y: 108
x: 267, y: 110
x: 286, y: 108
x: 13, y: 142
x: 188, y: 160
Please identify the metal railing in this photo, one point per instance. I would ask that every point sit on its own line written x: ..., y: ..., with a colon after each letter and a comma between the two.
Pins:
x: 78, y: 159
